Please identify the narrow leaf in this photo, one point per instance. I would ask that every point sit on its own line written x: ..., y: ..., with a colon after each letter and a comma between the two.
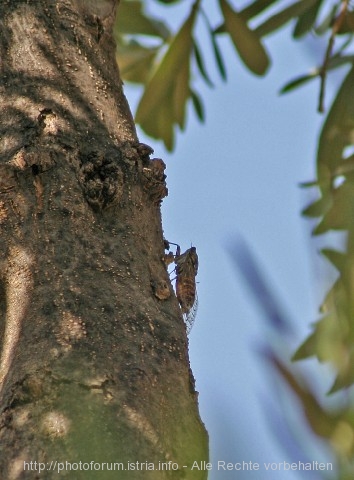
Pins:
x: 281, y: 18
x: 164, y: 77
x: 342, y: 381
x: 322, y: 422
x: 327, y: 21
x: 252, y: 10
x: 217, y: 52
x: 180, y: 94
x: 310, y: 184
x: 335, y: 305
x: 198, y: 105
x: 201, y: 65
x: 336, y: 258
x: 306, y: 21
x: 339, y: 60
x: 218, y: 57
x: 161, y: 126
x: 341, y: 213
x: 245, y: 40
x: 334, y: 62
x: 318, y: 208
x: 132, y: 20
x: 306, y: 349
x: 326, y: 342
x: 165, y: 122
x: 338, y: 129
x: 298, y: 81
x: 135, y: 62
x: 348, y: 24
x: 255, y: 8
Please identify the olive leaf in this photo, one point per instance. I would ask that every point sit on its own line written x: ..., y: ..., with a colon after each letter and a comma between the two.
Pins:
x: 246, y: 42
x: 166, y: 93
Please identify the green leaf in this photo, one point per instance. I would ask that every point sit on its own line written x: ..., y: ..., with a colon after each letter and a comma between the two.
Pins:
x: 252, y: 10
x: 339, y: 60
x: 162, y: 125
x: 281, y: 18
x: 307, y: 349
x: 201, y: 65
x: 298, y: 81
x: 245, y: 40
x: 181, y: 94
x: 198, y: 105
x: 338, y: 129
x: 135, y: 61
x: 327, y: 21
x: 347, y: 25
x: 327, y: 342
x: 217, y: 52
x: 132, y: 20
x: 334, y: 300
x: 319, y: 207
x: 345, y: 377
x: 341, y: 213
x: 343, y: 380
x: 322, y: 422
x: 306, y: 20
x: 336, y: 258
x: 310, y: 184
x: 157, y: 111
x: 218, y: 57
x: 255, y: 8
x: 165, y: 125
x: 334, y: 62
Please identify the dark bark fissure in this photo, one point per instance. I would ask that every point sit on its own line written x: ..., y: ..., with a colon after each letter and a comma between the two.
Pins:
x: 94, y: 362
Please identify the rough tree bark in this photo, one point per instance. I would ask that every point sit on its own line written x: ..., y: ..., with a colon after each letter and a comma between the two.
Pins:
x: 94, y: 363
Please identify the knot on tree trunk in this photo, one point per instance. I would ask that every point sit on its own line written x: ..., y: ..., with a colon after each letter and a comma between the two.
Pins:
x: 154, y: 180
x: 101, y: 178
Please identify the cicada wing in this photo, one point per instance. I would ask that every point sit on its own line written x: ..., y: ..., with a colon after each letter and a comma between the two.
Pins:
x: 189, y: 317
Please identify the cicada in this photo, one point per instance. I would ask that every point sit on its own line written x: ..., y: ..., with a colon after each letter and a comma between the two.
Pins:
x: 186, y: 289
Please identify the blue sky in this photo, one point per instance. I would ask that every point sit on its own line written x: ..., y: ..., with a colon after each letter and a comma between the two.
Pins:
x: 238, y: 175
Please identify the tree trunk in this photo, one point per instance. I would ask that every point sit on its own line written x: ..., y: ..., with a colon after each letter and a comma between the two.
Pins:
x: 94, y: 362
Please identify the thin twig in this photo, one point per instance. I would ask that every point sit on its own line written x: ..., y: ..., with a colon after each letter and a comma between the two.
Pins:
x: 323, y: 74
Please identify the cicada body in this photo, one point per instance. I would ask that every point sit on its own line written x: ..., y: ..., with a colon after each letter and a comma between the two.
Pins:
x: 186, y: 289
